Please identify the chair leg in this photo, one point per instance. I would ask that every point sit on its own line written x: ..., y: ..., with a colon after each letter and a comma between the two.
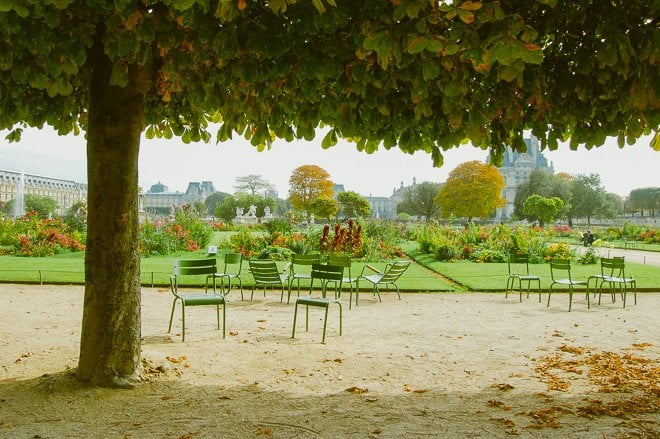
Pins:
x: 169, y: 328
x: 295, y: 316
x: 549, y: 294
x: 570, y: 297
x: 224, y: 319
x: 340, y: 317
x: 183, y: 321
x: 325, y: 322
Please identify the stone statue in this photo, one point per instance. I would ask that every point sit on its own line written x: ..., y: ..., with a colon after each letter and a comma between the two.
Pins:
x: 239, y: 212
x: 252, y: 211
x: 267, y: 213
x: 311, y: 218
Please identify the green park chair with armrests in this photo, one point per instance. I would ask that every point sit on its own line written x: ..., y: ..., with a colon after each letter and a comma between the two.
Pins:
x: 266, y: 274
x: 299, y: 269
x: 325, y: 274
x: 613, y: 273
x: 387, y: 278
x: 195, y: 267
x: 233, y: 265
x: 345, y: 261
x: 559, y: 267
x: 518, y: 265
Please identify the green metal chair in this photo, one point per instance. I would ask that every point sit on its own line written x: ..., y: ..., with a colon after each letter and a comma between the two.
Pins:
x: 195, y: 267
x: 233, y: 265
x: 326, y: 274
x: 345, y: 261
x: 518, y: 265
x: 266, y: 274
x: 387, y: 277
x: 559, y: 267
x: 299, y: 269
x: 613, y: 272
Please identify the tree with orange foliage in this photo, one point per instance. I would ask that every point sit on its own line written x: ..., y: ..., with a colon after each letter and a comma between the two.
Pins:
x: 473, y: 189
x: 308, y: 183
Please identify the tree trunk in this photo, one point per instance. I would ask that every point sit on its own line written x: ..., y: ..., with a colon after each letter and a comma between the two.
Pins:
x: 110, y: 339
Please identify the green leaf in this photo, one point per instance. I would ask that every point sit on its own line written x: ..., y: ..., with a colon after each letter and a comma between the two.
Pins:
x: 5, y: 6
x: 39, y: 81
x: 329, y: 139
x: 417, y: 45
x: 150, y: 132
x: 655, y: 142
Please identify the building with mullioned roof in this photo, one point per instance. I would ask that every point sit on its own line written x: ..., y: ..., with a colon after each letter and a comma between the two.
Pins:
x: 65, y: 192
x: 160, y: 200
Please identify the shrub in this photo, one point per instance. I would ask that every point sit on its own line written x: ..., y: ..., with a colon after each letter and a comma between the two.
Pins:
x: 31, y: 235
x: 185, y: 232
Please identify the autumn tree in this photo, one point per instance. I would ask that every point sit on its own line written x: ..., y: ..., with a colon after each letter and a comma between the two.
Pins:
x: 413, y: 74
x: 543, y: 209
x: 353, y: 205
x: 307, y: 183
x: 419, y: 200
x: 473, y: 189
x: 253, y: 184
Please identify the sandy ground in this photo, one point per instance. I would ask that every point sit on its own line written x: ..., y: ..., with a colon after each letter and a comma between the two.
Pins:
x: 431, y: 365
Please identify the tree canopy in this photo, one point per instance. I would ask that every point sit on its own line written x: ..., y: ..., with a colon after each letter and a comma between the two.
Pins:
x: 473, y: 189
x: 307, y: 183
x: 413, y: 74
x: 420, y: 200
x: 253, y: 184
x: 353, y: 205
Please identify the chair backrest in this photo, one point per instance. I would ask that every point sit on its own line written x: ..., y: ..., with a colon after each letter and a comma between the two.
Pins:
x: 306, y: 260
x: 518, y: 261
x: 612, y: 267
x: 559, y: 265
x: 325, y: 273
x: 183, y: 267
x: 341, y: 261
x: 233, y: 259
x: 394, y: 270
x: 264, y: 270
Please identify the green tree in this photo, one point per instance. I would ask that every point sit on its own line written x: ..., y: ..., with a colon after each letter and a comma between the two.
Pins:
x: 226, y: 210
x: 642, y: 199
x: 253, y: 184
x: 546, y: 185
x: 307, y: 183
x: 589, y: 199
x: 416, y: 74
x: 325, y: 207
x: 76, y: 217
x: 420, y: 200
x: 213, y: 201
x: 353, y: 205
x: 45, y: 207
x: 473, y: 189
x: 545, y: 210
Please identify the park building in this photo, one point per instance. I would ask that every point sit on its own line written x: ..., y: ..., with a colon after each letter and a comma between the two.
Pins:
x: 385, y: 207
x: 65, y: 192
x: 515, y: 169
x: 159, y: 200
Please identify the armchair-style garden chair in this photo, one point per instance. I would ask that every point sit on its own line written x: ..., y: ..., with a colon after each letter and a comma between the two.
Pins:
x: 326, y: 274
x: 195, y: 267
x: 559, y: 267
x: 233, y: 266
x: 299, y: 269
x: 387, y: 277
x: 345, y: 261
x: 612, y: 271
x: 266, y: 274
x: 518, y: 265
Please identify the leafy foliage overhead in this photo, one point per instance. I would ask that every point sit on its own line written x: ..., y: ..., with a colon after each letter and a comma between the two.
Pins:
x: 415, y: 74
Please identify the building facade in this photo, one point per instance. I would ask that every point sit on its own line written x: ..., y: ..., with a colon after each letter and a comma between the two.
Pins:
x: 385, y: 207
x: 515, y: 169
x: 65, y: 192
x: 158, y: 199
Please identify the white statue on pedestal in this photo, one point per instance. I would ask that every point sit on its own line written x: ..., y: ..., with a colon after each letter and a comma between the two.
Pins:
x: 252, y: 212
x: 239, y: 212
x: 267, y: 213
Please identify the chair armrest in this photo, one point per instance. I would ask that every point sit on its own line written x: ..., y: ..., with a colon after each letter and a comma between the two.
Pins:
x: 370, y: 267
x: 287, y: 267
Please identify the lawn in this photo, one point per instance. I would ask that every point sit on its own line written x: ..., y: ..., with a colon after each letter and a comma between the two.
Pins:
x: 427, y: 275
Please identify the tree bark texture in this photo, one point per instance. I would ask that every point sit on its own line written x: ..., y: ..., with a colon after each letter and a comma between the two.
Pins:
x: 110, y: 339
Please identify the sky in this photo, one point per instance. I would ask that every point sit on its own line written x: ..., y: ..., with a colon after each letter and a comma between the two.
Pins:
x: 175, y: 164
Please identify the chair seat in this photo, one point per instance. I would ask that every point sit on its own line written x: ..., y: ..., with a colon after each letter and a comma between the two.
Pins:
x: 527, y: 277
x: 570, y: 282
x: 202, y: 299
x: 315, y: 301
x: 373, y: 278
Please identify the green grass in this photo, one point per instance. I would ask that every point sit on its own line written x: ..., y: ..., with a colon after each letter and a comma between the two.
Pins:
x: 427, y: 275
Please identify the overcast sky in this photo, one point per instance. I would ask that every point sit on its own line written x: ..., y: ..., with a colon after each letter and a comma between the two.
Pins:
x: 174, y: 164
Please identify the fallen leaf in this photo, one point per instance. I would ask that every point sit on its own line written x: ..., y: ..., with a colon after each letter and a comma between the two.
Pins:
x: 377, y: 431
x: 356, y: 390
x: 233, y: 332
x: 502, y: 386
x: 176, y: 360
